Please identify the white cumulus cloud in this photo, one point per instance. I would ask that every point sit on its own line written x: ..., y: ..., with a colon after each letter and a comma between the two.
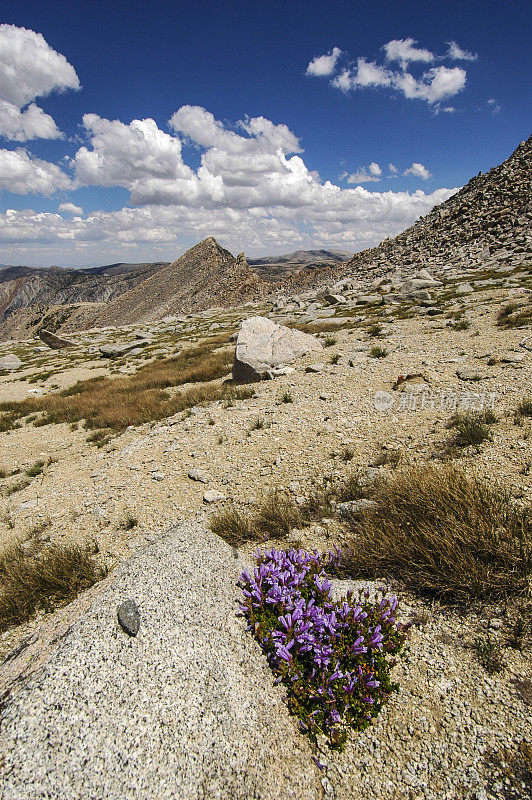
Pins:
x: 70, y: 208
x: 324, y: 65
x: 418, y: 171
x: 20, y: 173
x: 139, y: 157
x: 29, y: 68
x: 456, y: 53
x: 363, y: 175
x: 32, y: 123
x: 404, y: 51
x: 434, y: 85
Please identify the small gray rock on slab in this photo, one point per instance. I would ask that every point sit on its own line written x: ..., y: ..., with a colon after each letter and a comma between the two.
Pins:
x: 129, y: 617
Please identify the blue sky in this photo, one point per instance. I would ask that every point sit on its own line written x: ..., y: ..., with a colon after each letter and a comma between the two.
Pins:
x: 129, y: 131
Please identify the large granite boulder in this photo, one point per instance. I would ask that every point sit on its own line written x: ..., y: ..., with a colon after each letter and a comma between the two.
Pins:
x: 424, y: 280
x: 263, y: 346
x: 54, y: 341
x: 186, y: 708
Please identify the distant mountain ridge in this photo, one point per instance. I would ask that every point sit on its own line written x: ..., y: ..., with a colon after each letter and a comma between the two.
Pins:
x: 66, y: 300
x: 303, y: 257
x: 23, y: 287
x: 206, y: 275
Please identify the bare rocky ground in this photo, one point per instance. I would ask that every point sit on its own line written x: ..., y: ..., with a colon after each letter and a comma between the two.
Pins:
x: 453, y: 730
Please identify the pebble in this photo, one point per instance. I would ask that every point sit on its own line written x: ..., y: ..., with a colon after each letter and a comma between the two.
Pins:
x: 213, y: 496
x: 129, y: 617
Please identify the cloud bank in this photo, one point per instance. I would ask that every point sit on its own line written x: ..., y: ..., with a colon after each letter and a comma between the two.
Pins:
x: 252, y: 187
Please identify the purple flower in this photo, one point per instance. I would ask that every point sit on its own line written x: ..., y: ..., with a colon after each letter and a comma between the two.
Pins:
x: 351, y: 685
x: 283, y: 651
x: 376, y: 639
x: 288, y: 606
x: 334, y: 717
x: 358, y: 646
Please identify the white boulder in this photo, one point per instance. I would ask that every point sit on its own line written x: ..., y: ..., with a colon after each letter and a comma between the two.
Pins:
x: 263, y: 346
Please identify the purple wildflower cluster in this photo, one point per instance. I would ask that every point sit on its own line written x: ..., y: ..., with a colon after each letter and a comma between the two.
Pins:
x: 335, y: 657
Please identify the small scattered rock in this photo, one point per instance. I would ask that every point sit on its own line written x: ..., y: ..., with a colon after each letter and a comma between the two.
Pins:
x: 351, y: 507
x: 315, y: 368
x: 199, y: 475
x: 213, y: 496
x: 9, y: 363
x: 114, y: 350
x: 470, y: 374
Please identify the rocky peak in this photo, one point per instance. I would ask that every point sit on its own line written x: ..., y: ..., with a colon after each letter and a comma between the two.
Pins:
x: 207, y: 248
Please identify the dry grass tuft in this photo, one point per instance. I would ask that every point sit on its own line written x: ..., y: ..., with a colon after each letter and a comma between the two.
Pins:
x: 515, y: 315
x: 444, y: 534
x: 378, y: 352
x: 388, y: 458
x: 471, y: 428
x: 524, y: 409
x: 489, y: 654
x: 276, y: 515
x: 274, y: 518
x: 233, y: 526
x: 32, y: 582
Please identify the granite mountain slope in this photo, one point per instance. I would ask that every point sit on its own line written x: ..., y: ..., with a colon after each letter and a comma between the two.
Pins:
x: 487, y: 222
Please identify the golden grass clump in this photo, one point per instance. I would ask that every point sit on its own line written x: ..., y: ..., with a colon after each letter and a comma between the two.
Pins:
x: 445, y: 534
x: 116, y: 403
x: 43, y: 580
